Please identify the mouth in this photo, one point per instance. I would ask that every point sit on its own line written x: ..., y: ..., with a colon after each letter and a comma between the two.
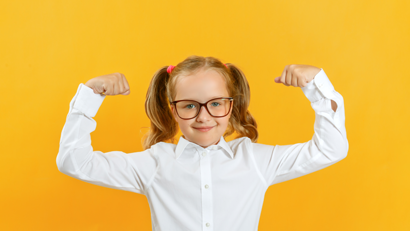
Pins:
x: 204, y: 129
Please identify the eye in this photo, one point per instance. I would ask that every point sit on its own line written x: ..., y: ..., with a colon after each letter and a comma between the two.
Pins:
x: 189, y: 106
x: 215, y: 104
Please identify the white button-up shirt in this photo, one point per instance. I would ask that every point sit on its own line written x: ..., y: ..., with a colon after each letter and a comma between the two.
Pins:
x: 218, y: 188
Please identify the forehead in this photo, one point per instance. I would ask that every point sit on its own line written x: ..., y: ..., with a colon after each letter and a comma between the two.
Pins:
x: 201, y: 86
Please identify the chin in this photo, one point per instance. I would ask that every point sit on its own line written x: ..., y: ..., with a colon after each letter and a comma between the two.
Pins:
x: 208, y: 140
x: 202, y: 139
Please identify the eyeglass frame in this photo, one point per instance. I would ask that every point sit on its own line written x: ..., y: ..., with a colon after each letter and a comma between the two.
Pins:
x: 203, y: 104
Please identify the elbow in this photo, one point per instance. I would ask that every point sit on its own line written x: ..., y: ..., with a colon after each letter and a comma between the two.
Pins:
x: 60, y: 167
x: 347, y: 149
x: 337, y: 151
x: 65, y: 165
x: 341, y: 156
x: 67, y: 170
x: 342, y: 151
x: 58, y: 162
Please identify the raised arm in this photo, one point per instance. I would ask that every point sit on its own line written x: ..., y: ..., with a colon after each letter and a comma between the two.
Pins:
x: 328, y: 145
x: 76, y: 157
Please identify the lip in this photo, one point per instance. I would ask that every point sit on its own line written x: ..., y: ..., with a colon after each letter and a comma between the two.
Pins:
x: 204, y: 129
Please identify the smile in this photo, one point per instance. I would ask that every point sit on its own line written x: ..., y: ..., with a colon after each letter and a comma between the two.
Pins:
x: 204, y: 129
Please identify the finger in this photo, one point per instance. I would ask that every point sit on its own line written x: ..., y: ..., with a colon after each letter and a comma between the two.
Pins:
x: 283, y: 76
x: 117, y: 87
x: 126, y: 86
x: 126, y: 89
x: 288, y: 79
x: 126, y: 92
x: 101, y: 89
x: 295, y: 81
x: 108, y: 89
x: 302, y: 83
x: 120, y: 84
x: 95, y: 91
x: 123, y: 83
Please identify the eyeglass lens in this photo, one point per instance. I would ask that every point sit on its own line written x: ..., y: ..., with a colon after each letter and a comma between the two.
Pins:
x: 217, y: 107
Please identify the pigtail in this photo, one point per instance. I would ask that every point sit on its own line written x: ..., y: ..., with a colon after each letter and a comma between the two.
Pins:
x: 241, y: 119
x: 163, y: 126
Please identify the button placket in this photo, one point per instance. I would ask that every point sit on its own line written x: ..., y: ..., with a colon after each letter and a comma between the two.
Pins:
x: 206, y: 192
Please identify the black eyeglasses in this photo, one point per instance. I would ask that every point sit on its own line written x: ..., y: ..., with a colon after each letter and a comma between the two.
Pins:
x: 189, y: 109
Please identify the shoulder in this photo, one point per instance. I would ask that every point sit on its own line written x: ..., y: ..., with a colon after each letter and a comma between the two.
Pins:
x: 163, y: 148
x: 246, y: 142
x: 240, y: 143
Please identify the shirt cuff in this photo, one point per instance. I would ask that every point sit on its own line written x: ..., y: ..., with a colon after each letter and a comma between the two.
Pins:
x: 319, y: 87
x: 86, y: 101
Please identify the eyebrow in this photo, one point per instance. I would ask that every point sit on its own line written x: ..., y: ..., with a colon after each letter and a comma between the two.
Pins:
x: 206, y: 100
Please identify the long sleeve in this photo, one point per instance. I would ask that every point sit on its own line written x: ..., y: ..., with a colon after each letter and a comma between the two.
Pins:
x: 76, y: 157
x: 278, y: 163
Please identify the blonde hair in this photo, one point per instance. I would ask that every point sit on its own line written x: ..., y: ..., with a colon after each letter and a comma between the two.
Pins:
x: 161, y: 92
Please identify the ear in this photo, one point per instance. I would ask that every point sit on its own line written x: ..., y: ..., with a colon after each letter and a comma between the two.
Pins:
x: 173, y: 112
x: 230, y: 113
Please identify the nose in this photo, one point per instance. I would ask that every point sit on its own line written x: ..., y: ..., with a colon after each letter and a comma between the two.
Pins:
x: 203, y: 115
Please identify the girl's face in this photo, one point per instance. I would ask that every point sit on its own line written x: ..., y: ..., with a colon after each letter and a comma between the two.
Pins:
x: 202, y: 86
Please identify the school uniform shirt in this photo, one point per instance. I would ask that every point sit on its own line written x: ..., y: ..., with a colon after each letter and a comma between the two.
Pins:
x: 190, y: 188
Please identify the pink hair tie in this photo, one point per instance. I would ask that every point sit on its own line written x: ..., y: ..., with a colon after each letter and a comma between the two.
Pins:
x: 170, y: 68
x: 226, y: 65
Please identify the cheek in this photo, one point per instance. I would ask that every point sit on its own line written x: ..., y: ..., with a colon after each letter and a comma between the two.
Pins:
x: 224, y: 122
x: 184, y: 125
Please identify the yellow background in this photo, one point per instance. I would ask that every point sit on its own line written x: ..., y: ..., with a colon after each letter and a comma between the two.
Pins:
x: 47, y: 48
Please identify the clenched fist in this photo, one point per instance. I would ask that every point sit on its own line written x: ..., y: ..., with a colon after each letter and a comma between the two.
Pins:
x: 111, y: 84
x: 297, y: 75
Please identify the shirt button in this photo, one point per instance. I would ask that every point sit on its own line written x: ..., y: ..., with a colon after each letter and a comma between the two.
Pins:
x: 214, y: 148
x: 206, y: 186
x: 207, y: 224
x: 204, y: 154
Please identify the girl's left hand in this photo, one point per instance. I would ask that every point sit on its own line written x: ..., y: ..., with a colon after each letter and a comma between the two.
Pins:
x: 297, y: 75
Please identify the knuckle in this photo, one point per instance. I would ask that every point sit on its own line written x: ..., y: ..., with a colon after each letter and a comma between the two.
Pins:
x: 292, y: 66
x: 117, y: 75
x: 297, y: 70
x: 110, y: 81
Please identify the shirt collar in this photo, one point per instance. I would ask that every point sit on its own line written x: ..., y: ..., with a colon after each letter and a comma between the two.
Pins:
x: 184, y: 144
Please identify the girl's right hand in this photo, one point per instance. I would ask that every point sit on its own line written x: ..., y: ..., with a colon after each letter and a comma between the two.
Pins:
x: 111, y: 84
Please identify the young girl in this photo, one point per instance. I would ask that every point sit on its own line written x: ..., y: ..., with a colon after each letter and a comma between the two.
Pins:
x: 202, y: 182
